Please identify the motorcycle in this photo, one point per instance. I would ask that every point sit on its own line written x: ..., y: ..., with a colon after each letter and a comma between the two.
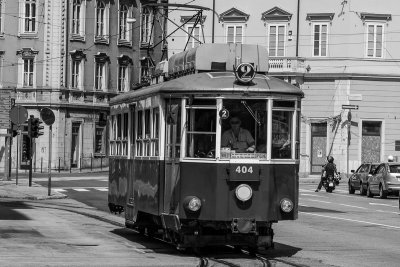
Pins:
x: 330, y: 182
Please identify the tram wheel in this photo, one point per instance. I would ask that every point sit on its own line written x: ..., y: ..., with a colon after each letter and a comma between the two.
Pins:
x: 253, y: 250
x: 141, y: 230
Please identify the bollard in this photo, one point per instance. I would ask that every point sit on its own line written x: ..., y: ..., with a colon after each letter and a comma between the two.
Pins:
x: 70, y: 166
x: 80, y: 165
x: 41, y: 165
x: 101, y: 163
x: 59, y: 163
x: 91, y: 163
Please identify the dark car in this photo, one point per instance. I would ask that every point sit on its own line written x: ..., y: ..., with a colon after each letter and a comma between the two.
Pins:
x: 358, y: 180
x: 385, y: 180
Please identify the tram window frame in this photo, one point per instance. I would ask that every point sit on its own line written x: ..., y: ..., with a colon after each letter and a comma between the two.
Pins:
x: 119, y: 134
x: 147, y: 136
x: 112, y: 136
x: 155, y: 132
x: 280, y: 149
x: 192, y: 131
x: 139, y: 133
x: 247, y: 110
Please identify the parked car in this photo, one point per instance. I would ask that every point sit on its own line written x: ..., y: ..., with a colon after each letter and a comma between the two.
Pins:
x: 385, y: 180
x: 358, y: 180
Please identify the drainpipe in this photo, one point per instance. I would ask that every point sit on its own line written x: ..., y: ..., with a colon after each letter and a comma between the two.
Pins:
x: 66, y: 82
x: 298, y: 27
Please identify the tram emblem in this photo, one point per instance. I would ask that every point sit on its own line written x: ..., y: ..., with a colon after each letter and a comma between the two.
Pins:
x: 245, y: 72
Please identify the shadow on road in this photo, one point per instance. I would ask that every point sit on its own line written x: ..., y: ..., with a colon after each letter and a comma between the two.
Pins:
x: 220, y: 252
x: 8, y: 210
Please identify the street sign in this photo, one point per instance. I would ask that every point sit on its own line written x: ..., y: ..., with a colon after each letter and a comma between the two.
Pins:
x: 47, y: 116
x: 349, y: 106
x: 18, y: 114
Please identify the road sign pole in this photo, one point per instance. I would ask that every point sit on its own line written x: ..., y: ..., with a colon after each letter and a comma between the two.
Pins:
x: 31, y: 148
x: 7, y: 161
x: 17, y: 165
x: 49, y: 165
x: 348, y: 140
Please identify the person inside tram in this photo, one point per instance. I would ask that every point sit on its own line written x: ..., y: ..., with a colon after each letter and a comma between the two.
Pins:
x: 328, y: 169
x: 238, y: 138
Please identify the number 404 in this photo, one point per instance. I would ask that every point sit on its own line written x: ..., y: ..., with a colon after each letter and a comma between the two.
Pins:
x: 244, y: 169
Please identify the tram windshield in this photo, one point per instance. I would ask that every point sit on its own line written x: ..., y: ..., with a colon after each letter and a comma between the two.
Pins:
x: 244, y: 128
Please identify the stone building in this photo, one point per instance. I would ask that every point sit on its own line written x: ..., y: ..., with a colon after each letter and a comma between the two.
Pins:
x: 338, y: 52
x: 72, y: 56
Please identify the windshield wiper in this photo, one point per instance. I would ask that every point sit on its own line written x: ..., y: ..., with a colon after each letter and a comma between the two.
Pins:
x: 251, y: 112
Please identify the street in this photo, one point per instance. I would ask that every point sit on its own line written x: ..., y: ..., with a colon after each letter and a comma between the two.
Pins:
x: 333, y: 229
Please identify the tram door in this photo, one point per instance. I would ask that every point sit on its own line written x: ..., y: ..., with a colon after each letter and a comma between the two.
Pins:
x: 172, y: 152
x: 318, y: 146
x: 131, y: 195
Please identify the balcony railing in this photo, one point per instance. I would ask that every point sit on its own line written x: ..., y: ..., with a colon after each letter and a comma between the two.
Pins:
x: 286, y: 64
x: 41, y: 96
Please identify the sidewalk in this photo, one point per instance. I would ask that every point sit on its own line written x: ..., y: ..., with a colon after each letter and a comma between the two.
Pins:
x: 9, y: 189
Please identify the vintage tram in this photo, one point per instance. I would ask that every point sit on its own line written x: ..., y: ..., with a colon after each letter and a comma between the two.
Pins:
x: 179, y: 169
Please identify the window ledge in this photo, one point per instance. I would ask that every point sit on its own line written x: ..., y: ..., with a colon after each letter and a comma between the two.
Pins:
x: 125, y: 43
x: 28, y: 36
x: 101, y: 40
x: 77, y: 38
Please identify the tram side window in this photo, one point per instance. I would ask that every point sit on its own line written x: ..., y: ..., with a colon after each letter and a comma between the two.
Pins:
x: 155, y: 133
x: 139, y: 134
x: 173, y: 130
x: 282, y: 124
x: 244, y: 132
x: 112, y: 136
x: 119, y: 135
x: 147, y: 137
x: 201, y: 128
x: 146, y: 143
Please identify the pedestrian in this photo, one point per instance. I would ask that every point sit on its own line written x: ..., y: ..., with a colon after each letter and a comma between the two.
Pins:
x: 328, y: 169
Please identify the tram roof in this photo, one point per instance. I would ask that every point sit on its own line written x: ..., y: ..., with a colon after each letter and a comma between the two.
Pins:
x: 222, y: 83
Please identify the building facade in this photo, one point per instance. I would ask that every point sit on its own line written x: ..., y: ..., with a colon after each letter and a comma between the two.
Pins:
x: 338, y: 52
x: 72, y: 56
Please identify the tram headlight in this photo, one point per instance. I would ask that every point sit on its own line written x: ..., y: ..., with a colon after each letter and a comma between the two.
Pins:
x: 243, y: 192
x: 286, y: 205
x: 192, y: 203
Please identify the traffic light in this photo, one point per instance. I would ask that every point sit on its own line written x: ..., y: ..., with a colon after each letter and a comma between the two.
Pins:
x: 14, y: 130
x: 34, y: 128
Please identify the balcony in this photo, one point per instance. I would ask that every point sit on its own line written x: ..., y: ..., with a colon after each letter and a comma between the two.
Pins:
x: 286, y: 65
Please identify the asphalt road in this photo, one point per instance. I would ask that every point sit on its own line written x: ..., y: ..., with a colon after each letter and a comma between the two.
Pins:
x: 333, y: 229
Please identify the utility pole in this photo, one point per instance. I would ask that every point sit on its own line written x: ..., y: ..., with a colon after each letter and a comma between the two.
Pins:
x: 349, y: 107
x: 213, y: 22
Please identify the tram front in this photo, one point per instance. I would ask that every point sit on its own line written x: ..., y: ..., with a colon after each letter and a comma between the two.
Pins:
x: 239, y: 160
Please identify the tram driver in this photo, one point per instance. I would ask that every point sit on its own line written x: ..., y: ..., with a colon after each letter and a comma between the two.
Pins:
x: 237, y: 138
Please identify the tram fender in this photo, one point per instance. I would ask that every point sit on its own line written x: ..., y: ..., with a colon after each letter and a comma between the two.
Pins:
x: 170, y: 221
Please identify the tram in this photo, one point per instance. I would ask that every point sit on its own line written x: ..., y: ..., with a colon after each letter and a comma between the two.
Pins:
x: 209, y: 155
